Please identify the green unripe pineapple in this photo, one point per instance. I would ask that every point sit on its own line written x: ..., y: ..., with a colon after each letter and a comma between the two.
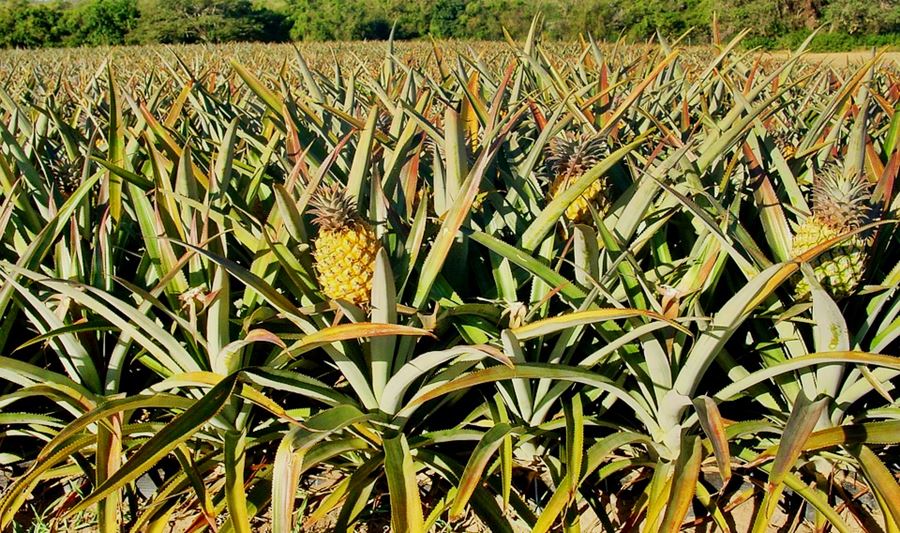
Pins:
x: 840, y: 204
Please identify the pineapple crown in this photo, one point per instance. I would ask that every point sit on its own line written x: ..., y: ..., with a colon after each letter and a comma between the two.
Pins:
x: 841, y: 201
x: 574, y: 155
x: 334, y: 208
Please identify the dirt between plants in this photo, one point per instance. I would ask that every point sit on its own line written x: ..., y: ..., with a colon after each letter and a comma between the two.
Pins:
x: 839, y: 59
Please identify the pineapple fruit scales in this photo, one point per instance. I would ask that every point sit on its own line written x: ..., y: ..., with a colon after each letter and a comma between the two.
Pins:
x: 345, y: 248
x: 840, y: 203
x: 568, y: 159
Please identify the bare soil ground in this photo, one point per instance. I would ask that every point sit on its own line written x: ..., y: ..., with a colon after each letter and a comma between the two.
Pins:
x: 840, y: 59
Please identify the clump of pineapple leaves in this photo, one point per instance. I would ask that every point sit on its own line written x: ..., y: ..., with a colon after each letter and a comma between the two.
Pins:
x: 352, y: 294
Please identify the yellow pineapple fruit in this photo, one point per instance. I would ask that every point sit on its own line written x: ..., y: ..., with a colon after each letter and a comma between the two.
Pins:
x: 568, y: 159
x: 787, y: 141
x: 345, y: 248
x: 840, y: 203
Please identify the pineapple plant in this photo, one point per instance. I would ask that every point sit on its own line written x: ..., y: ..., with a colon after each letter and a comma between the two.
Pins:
x: 65, y: 177
x: 787, y: 142
x: 569, y: 158
x: 787, y: 135
x: 63, y: 174
x: 345, y: 248
x: 529, y: 337
x: 841, y: 202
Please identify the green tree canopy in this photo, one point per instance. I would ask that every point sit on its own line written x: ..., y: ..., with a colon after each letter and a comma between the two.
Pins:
x: 773, y: 23
x: 101, y: 22
x: 196, y: 21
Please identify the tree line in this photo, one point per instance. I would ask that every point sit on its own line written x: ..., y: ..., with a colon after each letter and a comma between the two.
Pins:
x: 773, y: 23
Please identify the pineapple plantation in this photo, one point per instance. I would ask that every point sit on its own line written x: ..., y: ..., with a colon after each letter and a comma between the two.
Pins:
x: 517, y: 286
